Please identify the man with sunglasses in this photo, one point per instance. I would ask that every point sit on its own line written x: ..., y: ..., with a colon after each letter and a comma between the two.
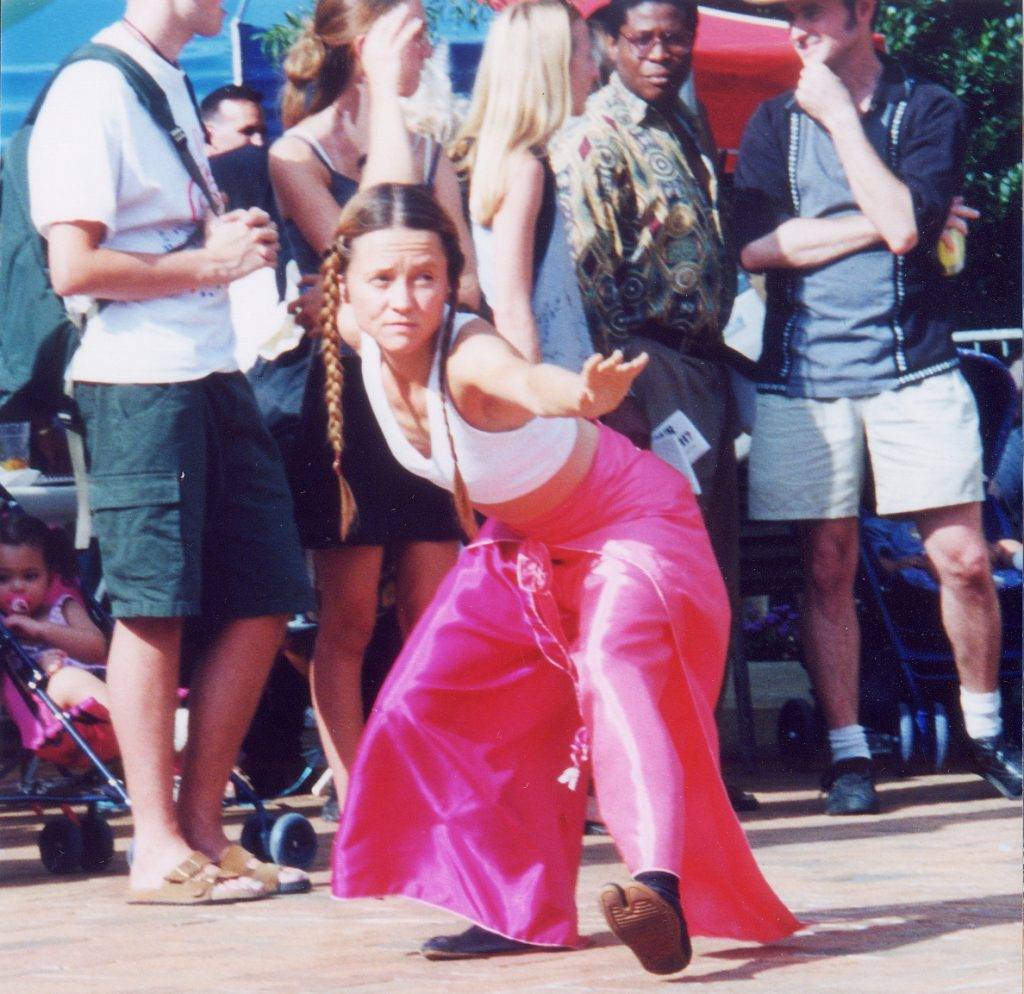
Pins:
x: 637, y: 177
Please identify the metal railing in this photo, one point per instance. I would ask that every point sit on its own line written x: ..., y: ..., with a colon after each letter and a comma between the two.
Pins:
x: 1003, y: 337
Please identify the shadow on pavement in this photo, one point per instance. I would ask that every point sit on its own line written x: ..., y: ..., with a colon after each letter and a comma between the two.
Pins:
x: 857, y: 931
x: 835, y: 830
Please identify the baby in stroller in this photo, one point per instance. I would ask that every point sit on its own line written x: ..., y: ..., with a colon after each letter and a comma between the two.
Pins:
x: 41, y: 610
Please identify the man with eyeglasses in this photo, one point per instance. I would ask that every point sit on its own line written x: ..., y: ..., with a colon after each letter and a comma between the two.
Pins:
x: 639, y: 190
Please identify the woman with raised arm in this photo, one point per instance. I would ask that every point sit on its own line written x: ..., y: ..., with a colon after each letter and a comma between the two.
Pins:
x: 523, y: 260
x: 584, y: 626
x: 316, y: 166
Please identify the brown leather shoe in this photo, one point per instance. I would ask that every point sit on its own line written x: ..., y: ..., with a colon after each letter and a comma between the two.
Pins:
x: 648, y: 925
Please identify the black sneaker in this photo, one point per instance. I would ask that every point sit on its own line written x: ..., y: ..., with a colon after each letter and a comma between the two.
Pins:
x: 850, y: 788
x: 999, y: 763
x: 475, y: 943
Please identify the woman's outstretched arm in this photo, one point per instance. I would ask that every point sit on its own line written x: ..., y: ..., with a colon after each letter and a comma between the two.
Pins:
x: 490, y: 380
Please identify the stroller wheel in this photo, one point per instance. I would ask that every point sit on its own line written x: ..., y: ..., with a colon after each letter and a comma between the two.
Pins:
x: 98, y: 843
x: 906, y: 735
x: 61, y: 846
x: 940, y: 737
x: 256, y: 833
x: 293, y: 841
x: 797, y: 730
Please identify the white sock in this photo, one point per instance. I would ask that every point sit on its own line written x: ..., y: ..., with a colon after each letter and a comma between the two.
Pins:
x: 981, y: 713
x: 848, y: 742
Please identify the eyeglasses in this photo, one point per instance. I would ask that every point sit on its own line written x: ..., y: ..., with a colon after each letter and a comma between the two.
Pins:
x: 672, y: 42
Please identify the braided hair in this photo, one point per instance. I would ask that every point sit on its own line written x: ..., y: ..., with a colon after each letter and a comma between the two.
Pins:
x: 382, y: 207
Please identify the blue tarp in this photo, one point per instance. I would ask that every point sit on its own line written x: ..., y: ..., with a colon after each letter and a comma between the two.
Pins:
x: 38, y: 33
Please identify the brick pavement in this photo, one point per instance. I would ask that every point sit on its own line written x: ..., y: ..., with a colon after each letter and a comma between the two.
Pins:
x: 923, y: 898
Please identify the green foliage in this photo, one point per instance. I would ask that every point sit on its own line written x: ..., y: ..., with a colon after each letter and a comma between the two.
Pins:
x: 277, y: 39
x: 973, y: 47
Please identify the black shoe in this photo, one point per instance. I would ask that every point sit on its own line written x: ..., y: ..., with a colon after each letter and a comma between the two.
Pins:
x: 999, y: 763
x: 850, y: 788
x: 473, y: 943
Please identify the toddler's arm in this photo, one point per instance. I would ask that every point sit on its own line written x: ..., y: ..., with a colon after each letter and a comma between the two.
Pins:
x: 80, y: 638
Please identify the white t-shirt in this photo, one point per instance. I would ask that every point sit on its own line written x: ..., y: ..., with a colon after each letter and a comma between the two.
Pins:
x: 97, y: 155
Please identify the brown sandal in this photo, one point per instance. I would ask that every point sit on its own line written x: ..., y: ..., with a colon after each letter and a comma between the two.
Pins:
x: 648, y: 925
x: 196, y: 880
x: 238, y: 860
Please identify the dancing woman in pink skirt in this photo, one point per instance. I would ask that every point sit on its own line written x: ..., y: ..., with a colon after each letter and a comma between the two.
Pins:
x: 584, y: 628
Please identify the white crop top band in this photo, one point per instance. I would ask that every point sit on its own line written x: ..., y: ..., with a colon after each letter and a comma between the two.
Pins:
x: 496, y: 466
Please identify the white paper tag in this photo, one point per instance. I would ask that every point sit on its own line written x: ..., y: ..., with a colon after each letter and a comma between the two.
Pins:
x: 678, y: 442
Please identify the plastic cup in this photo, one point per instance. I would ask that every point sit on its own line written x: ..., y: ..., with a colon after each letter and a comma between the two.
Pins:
x: 14, y: 442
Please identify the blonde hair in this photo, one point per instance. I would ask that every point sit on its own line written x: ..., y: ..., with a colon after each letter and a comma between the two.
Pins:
x: 320, y: 63
x: 388, y: 205
x: 521, y: 97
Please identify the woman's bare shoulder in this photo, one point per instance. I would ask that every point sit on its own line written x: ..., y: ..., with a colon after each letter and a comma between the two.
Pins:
x: 294, y: 149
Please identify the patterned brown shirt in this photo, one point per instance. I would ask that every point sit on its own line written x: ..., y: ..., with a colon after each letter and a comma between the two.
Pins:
x: 644, y: 224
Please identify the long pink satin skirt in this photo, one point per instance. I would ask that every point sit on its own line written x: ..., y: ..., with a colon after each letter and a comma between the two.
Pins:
x: 596, y: 642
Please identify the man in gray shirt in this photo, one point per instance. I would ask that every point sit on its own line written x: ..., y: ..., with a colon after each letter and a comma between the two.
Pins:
x: 843, y: 187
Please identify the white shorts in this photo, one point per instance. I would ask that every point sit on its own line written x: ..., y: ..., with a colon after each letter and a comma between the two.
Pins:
x: 807, y: 456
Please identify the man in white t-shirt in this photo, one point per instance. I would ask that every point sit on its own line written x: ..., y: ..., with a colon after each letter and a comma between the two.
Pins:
x: 190, y: 505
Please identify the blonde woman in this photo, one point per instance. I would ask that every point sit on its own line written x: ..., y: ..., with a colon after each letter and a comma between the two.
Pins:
x: 535, y: 72
x: 315, y: 167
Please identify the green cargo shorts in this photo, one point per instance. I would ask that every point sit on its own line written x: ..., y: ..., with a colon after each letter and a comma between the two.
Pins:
x: 190, y: 504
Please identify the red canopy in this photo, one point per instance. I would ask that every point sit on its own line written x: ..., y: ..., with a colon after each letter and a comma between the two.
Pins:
x: 738, y: 61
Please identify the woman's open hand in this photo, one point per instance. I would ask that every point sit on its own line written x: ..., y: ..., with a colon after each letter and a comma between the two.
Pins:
x: 606, y: 381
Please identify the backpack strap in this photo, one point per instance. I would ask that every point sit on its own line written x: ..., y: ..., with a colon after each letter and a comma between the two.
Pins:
x: 150, y: 95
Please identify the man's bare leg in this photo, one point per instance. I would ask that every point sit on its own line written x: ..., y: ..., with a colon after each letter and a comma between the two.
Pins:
x: 956, y: 545
x: 831, y: 640
x: 222, y: 701
x: 142, y: 676
x: 829, y: 626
